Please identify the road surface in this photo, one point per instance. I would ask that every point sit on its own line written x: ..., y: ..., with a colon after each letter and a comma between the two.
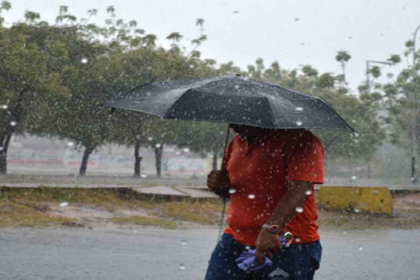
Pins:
x: 147, y: 253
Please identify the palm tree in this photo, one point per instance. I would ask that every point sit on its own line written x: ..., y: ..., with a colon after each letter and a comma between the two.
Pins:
x: 343, y: 57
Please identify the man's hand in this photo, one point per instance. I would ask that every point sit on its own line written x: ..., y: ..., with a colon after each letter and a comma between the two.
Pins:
x: 218, y: 182
x: 267, y: 244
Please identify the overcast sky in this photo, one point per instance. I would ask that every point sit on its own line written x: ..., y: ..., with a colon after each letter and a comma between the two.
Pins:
x: 293, y: 32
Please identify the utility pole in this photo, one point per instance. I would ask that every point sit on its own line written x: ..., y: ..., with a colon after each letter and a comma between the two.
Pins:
x: 414, y: 178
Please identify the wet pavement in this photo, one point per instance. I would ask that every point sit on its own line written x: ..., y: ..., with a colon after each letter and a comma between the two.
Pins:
x: 146, y: 253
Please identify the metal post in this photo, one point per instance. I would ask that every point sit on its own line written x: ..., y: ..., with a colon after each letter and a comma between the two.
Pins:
x: 414, y: 178
x: 367, y: 77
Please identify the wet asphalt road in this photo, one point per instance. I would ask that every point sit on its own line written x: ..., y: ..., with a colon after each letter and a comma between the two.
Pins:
x: 33, y: 254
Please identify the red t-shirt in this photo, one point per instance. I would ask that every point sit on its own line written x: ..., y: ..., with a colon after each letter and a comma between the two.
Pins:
x: 260, y: 173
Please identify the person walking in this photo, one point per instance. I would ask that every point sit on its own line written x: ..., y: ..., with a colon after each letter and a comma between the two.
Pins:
x: 269, y: 179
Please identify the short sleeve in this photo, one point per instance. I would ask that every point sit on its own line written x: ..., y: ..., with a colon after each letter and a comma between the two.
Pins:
x: 306, y: 160
x: 228, y: 152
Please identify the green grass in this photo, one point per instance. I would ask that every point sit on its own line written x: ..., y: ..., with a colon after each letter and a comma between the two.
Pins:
x: 109, y: 199
x: 201, y: 212
x: 30, y: 207
x: 352, y: 221
x: 16, y: 215
x: 20, y: 207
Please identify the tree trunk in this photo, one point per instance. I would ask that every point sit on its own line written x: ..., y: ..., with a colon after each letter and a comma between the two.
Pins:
x: 137, y: 159
x: 4, y: 144
x: 158, y: 158
x: 343, y: 66
x: 214, y: 163
x: 16, y: 112
x: 85, y: 159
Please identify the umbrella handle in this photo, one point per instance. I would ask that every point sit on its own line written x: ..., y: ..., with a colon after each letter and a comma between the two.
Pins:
x: 223, y: 167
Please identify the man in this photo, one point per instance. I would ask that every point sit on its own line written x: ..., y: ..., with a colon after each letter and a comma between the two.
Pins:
x: 270, y: 175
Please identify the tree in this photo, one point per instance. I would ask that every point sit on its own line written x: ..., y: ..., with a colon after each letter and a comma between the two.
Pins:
x: 158, y: 133
x: 309, y: 71
x: 326, y: 80
x: 403, y: 104
x: 29, y: 56
x: 343, y: 57
x: 97, y: 73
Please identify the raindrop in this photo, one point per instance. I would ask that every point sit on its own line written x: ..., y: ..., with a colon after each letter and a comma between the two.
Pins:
x: 191, y: 66
x: 298, y: 240
x: 184, y: 242
x: 177, y: 153
x: 251, y: 196
x: 13, y: 123
x: 353, y: 178
x: 237, y: 87
x: 157, y: 145
x: 70, y: 144
x: 84, y: 60
x: 148, y: 94
x: 246, y: 78
x: 232, y: 191
x: 299, y: 109
x: 64, y: 204
x: 356, y: 210
x: 150, y: 138
x: 360, y: 248
x: 187, y: 150
x: 356, y: 135
x: 143, y: 176
x: 299, y: 123
x: 4, y: 107
x: 356, y: 141
x: 308, y: 192
x: 181, y: 267
x: 247, y: 247
x: 299, y: 209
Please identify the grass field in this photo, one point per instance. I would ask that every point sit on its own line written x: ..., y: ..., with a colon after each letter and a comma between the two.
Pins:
x: 57, y: 207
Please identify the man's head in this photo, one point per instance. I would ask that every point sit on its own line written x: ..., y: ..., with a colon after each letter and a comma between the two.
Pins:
x: 249, y: 132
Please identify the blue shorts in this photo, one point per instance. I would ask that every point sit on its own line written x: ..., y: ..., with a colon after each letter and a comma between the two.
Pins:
x: 296, y: 262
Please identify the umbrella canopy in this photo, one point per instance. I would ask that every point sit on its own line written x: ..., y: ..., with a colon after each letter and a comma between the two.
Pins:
x: 232, y: 99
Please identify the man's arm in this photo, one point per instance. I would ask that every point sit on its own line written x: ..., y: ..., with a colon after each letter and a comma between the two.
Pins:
x: 269, y: 243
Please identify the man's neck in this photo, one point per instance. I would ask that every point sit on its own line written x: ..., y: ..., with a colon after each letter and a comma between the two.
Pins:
x: 251, y: 139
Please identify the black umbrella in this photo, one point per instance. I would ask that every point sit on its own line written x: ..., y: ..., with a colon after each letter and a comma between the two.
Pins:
x: 232, y: 99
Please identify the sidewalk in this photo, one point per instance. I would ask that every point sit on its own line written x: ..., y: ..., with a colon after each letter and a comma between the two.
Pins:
x: 170, y: 187
x: 196, y: 192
